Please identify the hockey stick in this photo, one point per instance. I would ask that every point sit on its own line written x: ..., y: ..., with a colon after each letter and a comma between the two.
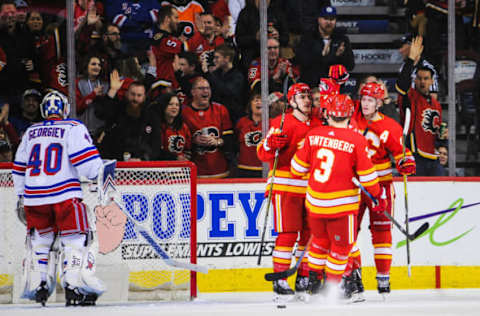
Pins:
x: 404, y: 138
x: 272, y: 179
x: 107, y: 193
x: 417, y: 218
x: 413, y: 236
x: 274, y: 276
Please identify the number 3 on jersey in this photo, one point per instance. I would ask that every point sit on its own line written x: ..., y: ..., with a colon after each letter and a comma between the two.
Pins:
x: 326, y: 158
x: 52, y: 161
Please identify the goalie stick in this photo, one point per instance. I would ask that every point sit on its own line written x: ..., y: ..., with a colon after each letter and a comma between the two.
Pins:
x: 107, y: 192
x: 274, y: 276
x: 413, y: 236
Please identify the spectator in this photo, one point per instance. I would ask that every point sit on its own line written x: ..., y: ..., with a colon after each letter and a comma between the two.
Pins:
x: 7, y: 129
x: 91, y: 86
x: 18, y: 47
x: 228, y: 82
x: 205, y: 40
x: 404, y: 50
x: 22, y: 11
x: 322, y: 47
x: 129, y: 133
x: 248, y: 133
x: 276, y: 104
x: 416, y: 16
x: 189, y: 14
x: 442, y: 151
x: 235, y: 7
x: 176, y: 137
x: 165, y: 45
x: 247, y: 32
x: 212, y: 132
x: 83, y: 8
x: 88, y: 31
x: 6, y: 153
x: 219, y: 9
x: 278, y: 68
x: 30, y: 111
x: 187, y: 69
x: 135, y: 19
x: 35, y: 26
x: 426, y: 113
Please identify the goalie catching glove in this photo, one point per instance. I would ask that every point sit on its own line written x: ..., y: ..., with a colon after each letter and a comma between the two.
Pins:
x: 382, y: 202
x: 275, y: 141
x: 406, y: 166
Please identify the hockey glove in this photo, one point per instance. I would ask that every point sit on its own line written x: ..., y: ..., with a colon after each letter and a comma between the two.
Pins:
x: 338, y: 73
x: 382, y: 202
x: 406, y: 166
x: 21, y: 210
x: 276, y: 141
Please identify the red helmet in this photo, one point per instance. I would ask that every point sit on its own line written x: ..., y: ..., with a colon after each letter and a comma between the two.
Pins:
x: 374, y: 90
x: 340, y: 105
x: 297, y: 88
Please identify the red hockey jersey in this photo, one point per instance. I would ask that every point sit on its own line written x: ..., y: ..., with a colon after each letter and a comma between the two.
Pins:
x: 177, y: 142
x: 165, y: 46
x: 248, y: 135
x: 210, y: 161
x: 333, y: 156
x: 295, y: 131
x: 254, y: 71
x: 384, y: 137
x: 199, y: 44
x: 424, y: 124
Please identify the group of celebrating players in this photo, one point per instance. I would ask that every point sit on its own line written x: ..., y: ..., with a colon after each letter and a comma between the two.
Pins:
x: 315, y: 202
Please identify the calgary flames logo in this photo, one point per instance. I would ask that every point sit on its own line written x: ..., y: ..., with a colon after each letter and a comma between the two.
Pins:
x: 253, y: 138
x: 210, y: 131
x: 176, y: 143
x: 430, y: 121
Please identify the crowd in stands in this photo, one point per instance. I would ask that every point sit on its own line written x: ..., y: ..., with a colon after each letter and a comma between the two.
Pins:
x: 180, y: 79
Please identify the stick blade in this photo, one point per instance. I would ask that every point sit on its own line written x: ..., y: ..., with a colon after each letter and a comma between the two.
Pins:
x: 419, y: 231
x: 274, y: 276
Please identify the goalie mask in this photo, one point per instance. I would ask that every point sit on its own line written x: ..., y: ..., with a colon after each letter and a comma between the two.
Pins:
x: 55, y: 103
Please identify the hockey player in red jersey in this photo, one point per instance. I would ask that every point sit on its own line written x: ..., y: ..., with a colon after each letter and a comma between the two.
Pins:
x: 384, y: 137
x: 289, y: 193
x: 49, y: 161
x: 332, y: 155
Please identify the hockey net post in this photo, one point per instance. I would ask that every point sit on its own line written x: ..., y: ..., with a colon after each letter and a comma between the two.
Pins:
x: 162, y: 196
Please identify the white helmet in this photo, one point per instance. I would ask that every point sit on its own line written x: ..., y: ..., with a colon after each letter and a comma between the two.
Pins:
x: 55, y: 103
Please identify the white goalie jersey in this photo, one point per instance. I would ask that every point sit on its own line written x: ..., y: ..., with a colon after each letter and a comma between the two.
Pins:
x: 50, y: 159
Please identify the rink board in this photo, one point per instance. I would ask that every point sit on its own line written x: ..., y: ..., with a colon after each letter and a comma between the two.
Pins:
x: 231, y: 215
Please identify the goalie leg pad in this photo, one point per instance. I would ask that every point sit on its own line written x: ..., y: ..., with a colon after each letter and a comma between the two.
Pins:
x: 38, y: 276
x: 81, y: 285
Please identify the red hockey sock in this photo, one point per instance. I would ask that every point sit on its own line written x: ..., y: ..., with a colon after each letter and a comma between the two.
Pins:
x: 282, y: 254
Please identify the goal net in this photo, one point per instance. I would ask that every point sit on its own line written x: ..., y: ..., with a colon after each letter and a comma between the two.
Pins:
x: 159, y: 196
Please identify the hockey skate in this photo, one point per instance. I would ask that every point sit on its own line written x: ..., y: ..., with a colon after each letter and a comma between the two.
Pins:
x: 301, y: 285
x: 349, y: 287
x: 42, y: 293
x: 358, y: 296
x: 282, y: 293
x: 314, y: 284
x: 383, y: 285
x: 73, y: 297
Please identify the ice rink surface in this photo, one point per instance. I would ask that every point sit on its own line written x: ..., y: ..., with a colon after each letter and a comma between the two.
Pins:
x: 406, y: 303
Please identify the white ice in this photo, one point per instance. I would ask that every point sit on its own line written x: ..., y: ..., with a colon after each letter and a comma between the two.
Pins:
x: 406, y: 303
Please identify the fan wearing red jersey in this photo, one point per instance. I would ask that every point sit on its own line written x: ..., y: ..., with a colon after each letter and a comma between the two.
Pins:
x: 176, y: 136
x: 248, y: 132
x: 333, y: 155
x: 289, y: 193
x: 212, y: 132
x: 384, y: 137
x: 165, y: 46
